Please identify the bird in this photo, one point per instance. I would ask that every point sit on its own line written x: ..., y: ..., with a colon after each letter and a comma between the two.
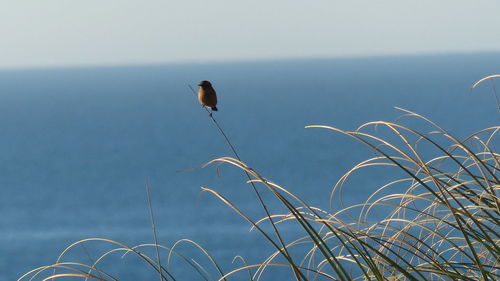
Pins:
x: 207, y: 95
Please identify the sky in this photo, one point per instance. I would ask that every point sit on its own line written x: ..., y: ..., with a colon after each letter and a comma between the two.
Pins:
x: 53, y: 33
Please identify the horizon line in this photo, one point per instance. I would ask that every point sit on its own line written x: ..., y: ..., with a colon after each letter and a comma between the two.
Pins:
x: 238, y: 61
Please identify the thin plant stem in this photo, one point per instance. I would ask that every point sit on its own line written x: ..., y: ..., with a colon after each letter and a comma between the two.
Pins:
x: 153, y: 228
x: 268, y: 214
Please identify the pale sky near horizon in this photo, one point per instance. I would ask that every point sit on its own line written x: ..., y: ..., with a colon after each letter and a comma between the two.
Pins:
x: 108, y: 32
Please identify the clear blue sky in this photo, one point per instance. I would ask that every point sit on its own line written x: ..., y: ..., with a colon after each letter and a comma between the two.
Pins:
x: 104, y: 32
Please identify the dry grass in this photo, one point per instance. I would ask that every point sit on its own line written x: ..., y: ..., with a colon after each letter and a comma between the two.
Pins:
x: 444, y: 226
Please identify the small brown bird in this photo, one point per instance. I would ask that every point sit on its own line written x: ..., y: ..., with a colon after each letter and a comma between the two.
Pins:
x: 207, y: 95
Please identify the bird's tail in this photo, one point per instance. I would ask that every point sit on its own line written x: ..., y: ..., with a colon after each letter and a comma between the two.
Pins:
x: 214, y: 108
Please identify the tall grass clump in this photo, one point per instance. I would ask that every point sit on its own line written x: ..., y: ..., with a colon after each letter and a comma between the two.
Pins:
x: 443, y: 225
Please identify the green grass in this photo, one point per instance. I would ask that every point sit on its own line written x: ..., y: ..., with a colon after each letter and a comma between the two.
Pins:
x: 444, y: 226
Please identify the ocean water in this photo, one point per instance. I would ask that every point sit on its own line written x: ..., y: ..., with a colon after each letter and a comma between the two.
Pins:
x: 78, y: 145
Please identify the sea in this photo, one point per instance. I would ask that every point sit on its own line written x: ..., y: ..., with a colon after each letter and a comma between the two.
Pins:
x: 81, y: 148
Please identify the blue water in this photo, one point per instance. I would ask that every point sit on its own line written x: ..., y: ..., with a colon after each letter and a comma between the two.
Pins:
x: 77, y: 145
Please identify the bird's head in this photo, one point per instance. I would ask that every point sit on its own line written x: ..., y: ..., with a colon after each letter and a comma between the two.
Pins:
x: 204, y: 83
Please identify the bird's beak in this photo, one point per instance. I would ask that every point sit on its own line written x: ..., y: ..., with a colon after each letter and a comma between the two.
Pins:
x: 199, y: 84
